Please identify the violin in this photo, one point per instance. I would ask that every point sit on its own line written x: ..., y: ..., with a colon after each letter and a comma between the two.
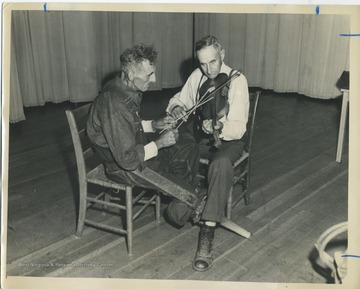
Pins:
x: 214, y: 90
x: 218, y: 106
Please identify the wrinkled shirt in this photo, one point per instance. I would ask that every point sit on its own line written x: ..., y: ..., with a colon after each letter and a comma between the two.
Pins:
x: 238, y: 97
x: 114, y: 127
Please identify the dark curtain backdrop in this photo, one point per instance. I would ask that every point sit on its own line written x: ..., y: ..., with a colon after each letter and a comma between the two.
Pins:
x: 66, y: 56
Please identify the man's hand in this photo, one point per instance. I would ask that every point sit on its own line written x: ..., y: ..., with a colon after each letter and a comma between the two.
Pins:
x: 167, y: 139
x: 208, y: 128
x: 163, y: 122
x: 179, y: 112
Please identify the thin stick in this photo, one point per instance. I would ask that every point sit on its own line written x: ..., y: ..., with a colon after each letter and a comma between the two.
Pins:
x: 190, y: 111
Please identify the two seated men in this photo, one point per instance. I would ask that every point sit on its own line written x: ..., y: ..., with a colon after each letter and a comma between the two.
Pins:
x: 119, y: 136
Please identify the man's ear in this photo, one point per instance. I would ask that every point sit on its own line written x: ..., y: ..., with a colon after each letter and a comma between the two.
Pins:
x: 222, y: 54
x: 130, y: 75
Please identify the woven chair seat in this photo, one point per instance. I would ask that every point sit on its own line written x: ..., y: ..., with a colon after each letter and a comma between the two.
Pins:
x: 98, y: 176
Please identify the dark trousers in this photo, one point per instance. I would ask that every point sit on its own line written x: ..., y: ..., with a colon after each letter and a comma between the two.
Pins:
x: 219, y: 176
x: 179, y: 164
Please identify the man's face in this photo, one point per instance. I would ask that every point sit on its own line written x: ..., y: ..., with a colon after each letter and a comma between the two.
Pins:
x: 143, y: 76
x: 210, y: 59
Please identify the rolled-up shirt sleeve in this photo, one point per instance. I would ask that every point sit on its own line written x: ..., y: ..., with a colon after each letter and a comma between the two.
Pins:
x: 147, y: 125
x: 151, y: 150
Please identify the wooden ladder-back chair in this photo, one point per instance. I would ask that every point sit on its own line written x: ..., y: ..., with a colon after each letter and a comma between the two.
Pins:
x: 242, y: 165
x: 96, y: 175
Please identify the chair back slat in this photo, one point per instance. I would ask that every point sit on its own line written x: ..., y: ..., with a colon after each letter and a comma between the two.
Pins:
x: 88, y: 153
x: 82, y: 133
x: 253, y: 99
x: 77, y: 119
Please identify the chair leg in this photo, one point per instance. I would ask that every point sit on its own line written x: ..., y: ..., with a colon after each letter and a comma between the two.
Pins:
x: 107, y: 198
x: 246, y: 183
x: 228, y: 224
x: 229, y: 204
x: 129, y: 218
x: 82, y: 209
x: 157, y: 207
x: 247, y: 198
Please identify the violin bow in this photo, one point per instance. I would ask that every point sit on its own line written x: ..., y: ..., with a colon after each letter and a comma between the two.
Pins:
x: 189, y: 111
x: 202, y: 100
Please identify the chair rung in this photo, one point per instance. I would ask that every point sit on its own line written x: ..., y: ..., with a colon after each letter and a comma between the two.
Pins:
x: 237, y: 178
x: 99, y: 196
x: 106, y: 227
x: 238, y: 199
x: 204, y: 161
x: 244, y: 156
x: 137, y: 200
x: 105, y: 203
x: 144, y: 207
x: 138, y: 197
x: 88, y: 153
x: 143, y: 202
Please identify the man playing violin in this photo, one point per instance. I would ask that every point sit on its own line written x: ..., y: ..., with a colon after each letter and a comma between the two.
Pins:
x: 228, y: 127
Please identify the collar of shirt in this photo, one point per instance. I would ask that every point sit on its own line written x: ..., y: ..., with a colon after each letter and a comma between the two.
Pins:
x: 132, y: 96
x: 223, y: 69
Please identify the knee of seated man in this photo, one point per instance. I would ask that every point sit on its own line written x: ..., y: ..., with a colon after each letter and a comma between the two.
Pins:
x: 178, y: 212
x: 220, y: 162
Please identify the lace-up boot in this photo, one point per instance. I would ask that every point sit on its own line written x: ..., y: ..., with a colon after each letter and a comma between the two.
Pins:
x: 204, y: 254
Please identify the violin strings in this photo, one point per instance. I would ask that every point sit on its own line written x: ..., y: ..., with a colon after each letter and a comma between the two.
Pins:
x: 190, y: 111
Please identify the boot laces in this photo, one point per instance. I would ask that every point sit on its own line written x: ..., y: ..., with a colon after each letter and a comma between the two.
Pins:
x: 205, y: 243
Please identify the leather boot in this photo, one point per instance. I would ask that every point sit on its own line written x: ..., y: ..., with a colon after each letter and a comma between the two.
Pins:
x: 204, y: 254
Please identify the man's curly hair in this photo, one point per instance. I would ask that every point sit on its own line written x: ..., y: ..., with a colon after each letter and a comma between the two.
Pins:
x: 132, y: 57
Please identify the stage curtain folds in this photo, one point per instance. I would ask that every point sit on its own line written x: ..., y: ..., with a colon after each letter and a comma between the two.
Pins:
x: 283, y: 52
x: 67, y: 56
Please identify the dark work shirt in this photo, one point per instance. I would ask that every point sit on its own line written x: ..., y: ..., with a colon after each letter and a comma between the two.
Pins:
x: 114, y: 126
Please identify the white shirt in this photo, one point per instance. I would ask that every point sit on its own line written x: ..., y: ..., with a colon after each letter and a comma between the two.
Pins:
x: 238, y: 98
x: 150, y: 149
